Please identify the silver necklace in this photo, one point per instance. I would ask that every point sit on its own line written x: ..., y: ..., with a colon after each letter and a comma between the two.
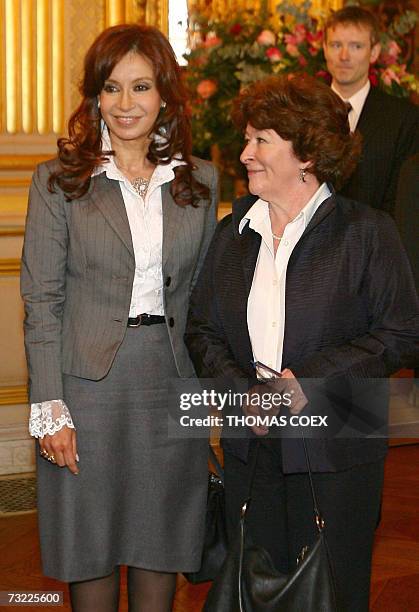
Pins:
x: 140, y: 185
x: 276, y: 237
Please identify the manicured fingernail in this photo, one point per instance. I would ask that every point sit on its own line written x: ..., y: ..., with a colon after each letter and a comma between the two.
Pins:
x: 77, y: 457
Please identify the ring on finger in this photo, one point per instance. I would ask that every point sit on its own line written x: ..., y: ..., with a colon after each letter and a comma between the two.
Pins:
x: 44, y: 453
x: 52, y: 459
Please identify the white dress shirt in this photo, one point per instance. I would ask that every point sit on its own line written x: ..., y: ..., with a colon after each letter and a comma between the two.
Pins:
x: 145, y: 218
x: 266, y: 302
x: 357, y: 102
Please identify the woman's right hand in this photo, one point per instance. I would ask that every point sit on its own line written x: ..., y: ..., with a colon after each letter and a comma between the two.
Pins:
x: 62, y: 446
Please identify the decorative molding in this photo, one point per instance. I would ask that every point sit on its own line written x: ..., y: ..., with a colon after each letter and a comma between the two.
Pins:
x: 9, y: 231
x: 225, y: 9
x: 15, y: 182
x: 10, y: 396
x: 151, y: 12
x: 115, y: 12
x: 9, y: 267
x: 22, y: 162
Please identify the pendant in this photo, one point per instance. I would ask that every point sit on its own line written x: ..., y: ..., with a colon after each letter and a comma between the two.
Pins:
x: 140, y: 185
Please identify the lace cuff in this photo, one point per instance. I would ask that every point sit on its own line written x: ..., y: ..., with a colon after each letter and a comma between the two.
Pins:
x: 48, y: 418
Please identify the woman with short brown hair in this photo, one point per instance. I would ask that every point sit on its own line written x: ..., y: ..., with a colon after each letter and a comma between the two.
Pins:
x: 309, y: 117
x: 314, y: 286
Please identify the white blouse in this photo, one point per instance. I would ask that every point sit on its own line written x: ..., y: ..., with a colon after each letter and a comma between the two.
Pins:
x: 266, y: 302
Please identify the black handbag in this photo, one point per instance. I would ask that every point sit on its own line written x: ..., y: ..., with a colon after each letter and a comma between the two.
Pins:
x: 249, y: 582
x: 215, y: 542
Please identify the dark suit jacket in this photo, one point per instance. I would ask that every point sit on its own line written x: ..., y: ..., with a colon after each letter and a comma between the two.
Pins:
x: 407, y: 211
x: 351, y: 310
x: 390, y: 132
x: 78, y: 268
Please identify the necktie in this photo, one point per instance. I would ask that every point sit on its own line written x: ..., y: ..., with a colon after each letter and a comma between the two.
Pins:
x: 351, y: 118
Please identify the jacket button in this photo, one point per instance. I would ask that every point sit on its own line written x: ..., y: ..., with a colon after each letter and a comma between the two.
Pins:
x: 168, y: 281
x: 171, y: 322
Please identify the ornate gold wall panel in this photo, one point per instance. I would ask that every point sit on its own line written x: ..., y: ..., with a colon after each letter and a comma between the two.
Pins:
x: 9, y: 267
x: 31, y: 67
x: 225, y: 9
x: 28, y: 51
x: 10, y: 396
x: 11, y: 64
x: 152, y: 12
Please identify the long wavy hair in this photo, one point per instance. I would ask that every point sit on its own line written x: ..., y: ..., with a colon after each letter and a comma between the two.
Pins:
x: 81, y: 152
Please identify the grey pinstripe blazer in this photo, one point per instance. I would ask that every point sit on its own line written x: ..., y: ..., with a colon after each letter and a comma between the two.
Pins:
x: 77, y: 274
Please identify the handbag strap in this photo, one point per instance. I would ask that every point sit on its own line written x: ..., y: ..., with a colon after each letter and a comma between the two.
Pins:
x: 318, y: 518
x: 215, y: 463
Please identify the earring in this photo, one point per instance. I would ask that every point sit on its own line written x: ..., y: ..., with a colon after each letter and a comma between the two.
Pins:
x: 163, y: 105
x: 303, y: 173
x: 98, y: 103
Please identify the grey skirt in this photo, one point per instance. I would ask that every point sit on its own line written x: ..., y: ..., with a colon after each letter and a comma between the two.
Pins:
x: 140, y: 496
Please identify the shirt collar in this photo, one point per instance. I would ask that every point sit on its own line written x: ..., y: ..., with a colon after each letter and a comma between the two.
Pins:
x: 162, y: 174
x: 357, y: 101
x: 259, y: 212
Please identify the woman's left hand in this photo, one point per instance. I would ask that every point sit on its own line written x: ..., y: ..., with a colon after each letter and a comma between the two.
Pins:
x: 293, y: 387
x: 287, y: 384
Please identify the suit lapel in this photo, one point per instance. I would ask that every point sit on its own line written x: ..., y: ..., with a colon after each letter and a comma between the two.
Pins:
x: 249, y: 245
x: 371, y: 117
x: 107, y: 197
x: 249, y: 241
x: 172, y: 219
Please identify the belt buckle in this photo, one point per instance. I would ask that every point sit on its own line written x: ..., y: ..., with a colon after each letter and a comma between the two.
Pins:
x: 138, y: 317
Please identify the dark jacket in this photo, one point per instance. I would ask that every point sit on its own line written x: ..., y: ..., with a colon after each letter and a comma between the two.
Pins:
x: 390, y: 133
x: 351, y: 310
x: 407, y: 211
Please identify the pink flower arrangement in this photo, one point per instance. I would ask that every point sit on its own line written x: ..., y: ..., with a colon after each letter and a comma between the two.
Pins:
x: 236, y: 29
x: 373, y: 76
x: 299, y: 35
x: 393, y: 49
x: 206, y: 88
x: 389, y: 75
x: 292, y: 49
x: 273, y: 54
x: 315, y: 40
x: 212, y: 41
x: 266, y: 38
x: 389, y: 55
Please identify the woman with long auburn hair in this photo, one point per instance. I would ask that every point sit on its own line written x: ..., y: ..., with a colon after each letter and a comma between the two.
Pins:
x: 116, y: 233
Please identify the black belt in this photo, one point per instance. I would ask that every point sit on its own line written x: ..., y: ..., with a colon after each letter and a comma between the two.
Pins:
x: 145, y: 319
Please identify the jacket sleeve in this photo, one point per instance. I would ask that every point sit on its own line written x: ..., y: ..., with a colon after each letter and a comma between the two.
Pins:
x: 205, y: 337
x: 392, y: 303
x: 43, y: 280
x: 407, y: 145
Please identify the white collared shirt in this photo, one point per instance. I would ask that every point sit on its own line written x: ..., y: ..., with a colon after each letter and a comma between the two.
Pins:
x: 357, y: 102
x: 145, y: 218
x: 266, y: 302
